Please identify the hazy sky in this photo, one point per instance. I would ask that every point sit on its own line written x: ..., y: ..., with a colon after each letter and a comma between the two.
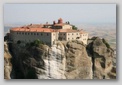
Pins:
x: 75, y: 13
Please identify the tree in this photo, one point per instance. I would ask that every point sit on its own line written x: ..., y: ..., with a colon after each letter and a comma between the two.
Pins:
x: 74, y: 27
x: 68, y: 22
x: 36, y: 42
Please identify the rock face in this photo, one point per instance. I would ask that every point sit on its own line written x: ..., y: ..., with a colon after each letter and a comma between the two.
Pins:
x: 78, y: 64
x: 7, y: 62
x: 64, y: 60
x: 102, y: 59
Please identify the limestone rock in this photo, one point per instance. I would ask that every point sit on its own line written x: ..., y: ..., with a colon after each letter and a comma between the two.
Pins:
x: 78, y: 64
x: 7, y: 62
x: 102, y: 59
x: 63, y: 60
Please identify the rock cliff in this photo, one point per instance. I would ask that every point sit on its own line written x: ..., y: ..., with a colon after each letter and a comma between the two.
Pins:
x: 7, y: 62
x: 63, y: 60
x: 102, y: 58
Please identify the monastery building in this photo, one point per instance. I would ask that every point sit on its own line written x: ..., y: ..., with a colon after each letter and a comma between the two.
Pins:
x: 48, y: 33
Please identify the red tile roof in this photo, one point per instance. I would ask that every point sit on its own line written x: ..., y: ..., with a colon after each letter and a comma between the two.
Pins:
x: 27, y: 29
x: 59, y: 24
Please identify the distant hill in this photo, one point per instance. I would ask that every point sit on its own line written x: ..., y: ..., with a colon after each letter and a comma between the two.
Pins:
x: 107, y: 31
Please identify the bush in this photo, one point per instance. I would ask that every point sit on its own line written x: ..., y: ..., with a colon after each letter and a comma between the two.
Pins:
x: 36, y: 43
x: 74, y: 27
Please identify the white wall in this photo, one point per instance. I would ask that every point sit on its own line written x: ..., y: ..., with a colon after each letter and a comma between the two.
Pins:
x: 84, y: 38
x: 67, y: 27
x: 46, y: 37
x: 72, y: 35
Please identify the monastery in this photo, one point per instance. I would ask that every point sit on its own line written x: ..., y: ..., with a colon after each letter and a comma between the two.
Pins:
x: 48, y: 33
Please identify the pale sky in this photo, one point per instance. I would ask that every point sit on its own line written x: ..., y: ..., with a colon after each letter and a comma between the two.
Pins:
x: 75, y: 13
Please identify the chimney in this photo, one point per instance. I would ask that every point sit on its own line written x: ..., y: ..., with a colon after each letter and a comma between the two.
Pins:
x: 46, y: 22
x: 54, y: 22
x: 31, y: 24
x: 60, y: 21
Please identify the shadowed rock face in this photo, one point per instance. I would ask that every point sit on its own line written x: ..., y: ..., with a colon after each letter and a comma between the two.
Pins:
x: 102, y: 59
x: 64, y: 60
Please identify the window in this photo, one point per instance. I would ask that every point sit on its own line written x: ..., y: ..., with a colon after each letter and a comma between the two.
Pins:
x: 28, y: 33
x: 53, y: 34
x: 64, y: 34
x: 77, y: 33
x: 47, y: 34
x: 34, y: 33
x: 37, y: 34
x: 19, y: 32
x: 72, y: 38
x: 68, y: 38
x: 68, y: 34
x: 72, y: 33
x: 23, y: 33
x: 31, y: 33
x: 41, y: 34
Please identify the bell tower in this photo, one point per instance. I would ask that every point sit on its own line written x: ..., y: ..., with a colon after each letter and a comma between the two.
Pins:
x: 60, y: 21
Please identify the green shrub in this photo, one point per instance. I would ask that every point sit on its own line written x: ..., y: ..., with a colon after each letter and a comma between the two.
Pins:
x: 36, y: 43
x: 74, y: 27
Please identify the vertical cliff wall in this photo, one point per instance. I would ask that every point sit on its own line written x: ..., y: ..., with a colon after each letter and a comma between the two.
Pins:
x: 7, y: 62
x: 64, y: 60
x: 102, y: 58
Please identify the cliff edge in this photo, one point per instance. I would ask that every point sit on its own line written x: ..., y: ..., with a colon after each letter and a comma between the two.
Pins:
x: 63, y: 60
